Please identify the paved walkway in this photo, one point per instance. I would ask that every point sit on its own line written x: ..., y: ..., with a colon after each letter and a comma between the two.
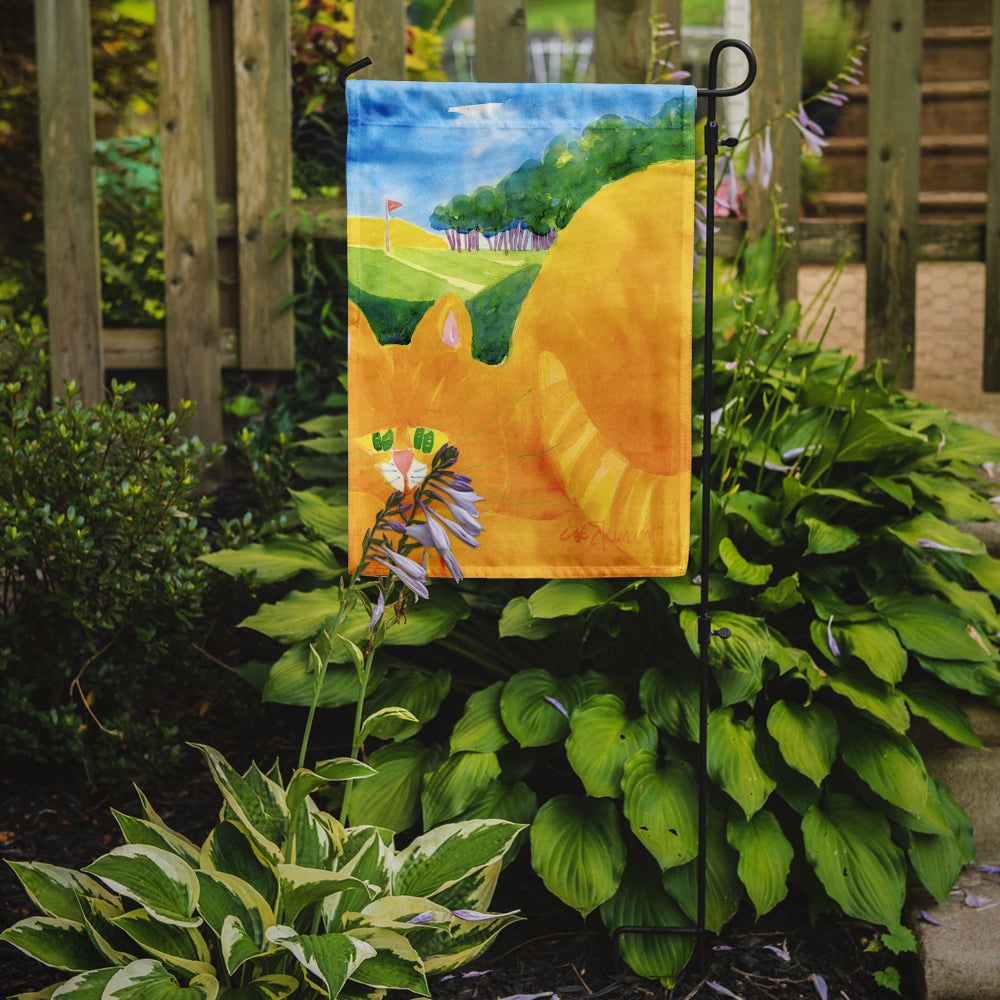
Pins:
x: 950, y: 314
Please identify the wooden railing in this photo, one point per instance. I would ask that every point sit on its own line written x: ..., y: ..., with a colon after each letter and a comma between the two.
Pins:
x: 226, y: 161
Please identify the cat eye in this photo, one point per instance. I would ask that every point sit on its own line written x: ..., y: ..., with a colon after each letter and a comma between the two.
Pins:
x: 423, y: 440
x: 382, y: 440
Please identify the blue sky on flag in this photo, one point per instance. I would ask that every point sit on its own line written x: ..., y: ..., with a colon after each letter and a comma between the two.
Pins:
x: 423, y: 143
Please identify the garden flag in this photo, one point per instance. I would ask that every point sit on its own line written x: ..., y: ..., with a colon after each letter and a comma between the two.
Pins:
x: 520, y: 274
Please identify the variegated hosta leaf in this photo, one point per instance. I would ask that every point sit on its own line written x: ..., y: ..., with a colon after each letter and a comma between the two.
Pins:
x: 158, y: 880
x: 86, y: 986
x: 273, y: 987
x: 476, y: 890
x: 98, y: 915
x: 456, y: 784
x: 55, y: 941
x: 304, y: 782
x: 56, y: 891
x: 850, y: 847
x: 141, y: 831
x: 602, y: 737
x: 441, y: 857
x: 661, y: 800
x: 315, y: 838
x: 467, y: 940
x: 732, y: 760
x: 254, y: 799
x: 888, y: 763
x: 417, y: 690
x: 177, y: 947
x: 395, y: 964
x: 578, y: 851
x: 723, y: 889
x: 329, y: 959
x: 807, y: 736
x: 642, y: 902
x: 391, y: 799
x: 765, y: 858
x: 230, y: 849
x: 300, y: 887
x: 225, y: 897
x: 367, y: 853
x: 147, y: 979
x: 535, y: 706
x: 481, y: 727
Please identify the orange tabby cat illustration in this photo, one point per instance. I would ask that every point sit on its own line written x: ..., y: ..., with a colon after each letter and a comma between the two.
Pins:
x: 579, y: 440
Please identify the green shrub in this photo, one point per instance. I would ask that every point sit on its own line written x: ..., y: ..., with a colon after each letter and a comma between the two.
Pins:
x: 99, y: 541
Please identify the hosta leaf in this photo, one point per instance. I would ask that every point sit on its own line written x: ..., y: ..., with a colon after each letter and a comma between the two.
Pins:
x: 56, y: 891
x: 238, y: 944
x: 683, y: 591
x: 765, y: 858
x: 301, y: 887
x: 601, y: 739
x: 456, y: 784
x: 147, y: 979
x: 723, y: 889
x: 260, y: 809
x: 304, y: 782
x: 783, y: 595
x: 86, y: 986
x: 391, y: 798
x: 928, y: 528
x: 661, y: 799
x: 418, y: 690
x: 758, y: 511
x: 225, y: 897
x: 530, y: 706
x: 850, y: 848
x: 888, y: 763
x: 966, y: 443
x: 738, y: 661
x: 330, y: 959
x: 159, y: 881
x: 481, y: 728
x: 441, y: 857
x: 142, y: 831
x: 671, y: 699
x: 870, y: 435
x: 292, y: 681
x: 985, y: 569
x: 389, y: 723
x: 395, y: 964
x: 516, y: 803
x: 230, y: 849
x: 866, y: 692
x: 876, y: 646
x: 273, y: 987
x: 941, y: 709
x: 54, y: 941
x: 976, y: 605
x: 641, y: 901
x: 517, y: 620
x: 578, y: 851
x: 559, y: 598
x: 180, y: 948
x: 937, y: 860
x: 956, y: 500
x: 98, y: 916
x: 976, y: 678
x: 739, y: 569
x: 932, y: 628
x: 828, y: 539
x: 466, y: 941
x: 366, y: 855
x: 732, y: 760
x: 328, y: 520
x: 807, y: 736
x: 280, y: 557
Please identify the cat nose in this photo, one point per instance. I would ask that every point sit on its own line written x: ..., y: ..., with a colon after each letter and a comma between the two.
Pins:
x: 402, y: 458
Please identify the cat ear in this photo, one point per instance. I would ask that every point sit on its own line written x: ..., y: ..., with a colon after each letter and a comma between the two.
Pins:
x: 445, y: 327
x: 361, y: 342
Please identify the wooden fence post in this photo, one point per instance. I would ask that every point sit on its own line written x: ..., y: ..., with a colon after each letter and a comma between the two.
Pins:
x: 261, y: 57
x: 621, y: 40
x: 776, y: 35
x: 501, y: 52
x: 380, y: 34
x: 190, y: 252
x: 72, y: 255
x: 892, y: 215
x: 991, y: 332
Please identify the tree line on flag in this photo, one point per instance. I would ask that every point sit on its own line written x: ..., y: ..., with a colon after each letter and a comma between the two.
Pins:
x: 527, y: 209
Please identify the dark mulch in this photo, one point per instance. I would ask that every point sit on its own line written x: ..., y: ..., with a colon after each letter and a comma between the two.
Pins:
x: 551, y: 951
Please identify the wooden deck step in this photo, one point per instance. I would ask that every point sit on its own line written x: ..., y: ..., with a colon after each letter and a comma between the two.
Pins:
x: 957, y: 206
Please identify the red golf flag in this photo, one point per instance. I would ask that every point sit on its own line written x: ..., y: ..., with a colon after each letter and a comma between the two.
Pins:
x: 391, y: 206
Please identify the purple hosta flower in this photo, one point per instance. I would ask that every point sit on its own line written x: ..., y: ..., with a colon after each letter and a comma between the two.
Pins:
x: 427, y: 917
x: 989, y: 869
x: 780, y: 952
x: 719, y: 988
x: 472, y: 974
x: 811, y: 132
x: 727, y: 197
x: 377, y: 612
x: 557, y: 704
x: 461, y: 503
x: 475, y: 915
x: 834, y: 648
x: 927, y: 543
x: 820, y: 983
x: 408, y: 571
x: 760, y: 165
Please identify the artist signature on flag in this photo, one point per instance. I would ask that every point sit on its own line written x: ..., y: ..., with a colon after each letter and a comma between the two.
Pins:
x: 600, y: 535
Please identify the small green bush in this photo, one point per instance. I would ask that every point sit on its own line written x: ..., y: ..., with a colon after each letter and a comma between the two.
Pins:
x: 99, y: 578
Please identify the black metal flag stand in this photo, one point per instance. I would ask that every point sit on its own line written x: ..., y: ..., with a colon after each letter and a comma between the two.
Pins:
x: 705, y: 631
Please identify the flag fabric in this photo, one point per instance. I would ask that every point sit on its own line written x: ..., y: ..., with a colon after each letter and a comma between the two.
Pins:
x: 533, y: 309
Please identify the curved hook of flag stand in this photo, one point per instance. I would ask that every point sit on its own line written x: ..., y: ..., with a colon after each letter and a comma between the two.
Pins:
x: 705, y: 631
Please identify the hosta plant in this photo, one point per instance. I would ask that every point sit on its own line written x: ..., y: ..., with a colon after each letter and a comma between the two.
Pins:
x: 279, y: 900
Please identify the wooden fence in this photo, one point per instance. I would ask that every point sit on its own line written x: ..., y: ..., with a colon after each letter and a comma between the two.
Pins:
x: 226, y: 161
